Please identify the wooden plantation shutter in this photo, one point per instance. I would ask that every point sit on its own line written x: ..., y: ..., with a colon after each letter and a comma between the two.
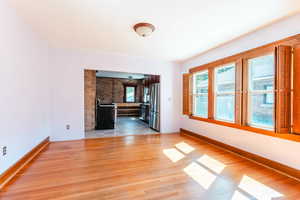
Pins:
x: 238, y: 91
x: 186, y: 94
x: 244, y: 107
x: 211, y: 92
x: 283, y: 89
x: 296, y: 89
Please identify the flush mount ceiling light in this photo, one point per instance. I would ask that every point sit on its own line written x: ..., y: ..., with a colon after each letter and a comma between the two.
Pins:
x: 144, y: 29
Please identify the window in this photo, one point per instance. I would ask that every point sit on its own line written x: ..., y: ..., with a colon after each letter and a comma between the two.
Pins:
x: 225, y: 93
x: 129, y: 94
x: 257, y: 92
x: 261, y: 91
x: 200, y: 94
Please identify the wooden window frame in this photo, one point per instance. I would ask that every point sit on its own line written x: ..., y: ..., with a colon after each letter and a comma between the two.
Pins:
x: 240, y: 93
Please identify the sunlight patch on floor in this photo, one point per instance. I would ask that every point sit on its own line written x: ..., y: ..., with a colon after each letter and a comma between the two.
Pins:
x: 239, y: 196
x: 211, y: 163
x: 173, y: 154
x: 184, y: 147
x: 206, y: 170
x: 257, y: 189
x: 201, y: 175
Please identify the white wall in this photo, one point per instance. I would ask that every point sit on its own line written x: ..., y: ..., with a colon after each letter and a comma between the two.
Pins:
x: 67, y: 85
x: 24, y: 102
x: 284, y: 151
x: 42, y: 88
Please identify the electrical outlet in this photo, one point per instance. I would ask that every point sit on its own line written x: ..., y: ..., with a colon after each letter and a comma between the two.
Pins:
x: 4, y: 150
x: 68, y: 126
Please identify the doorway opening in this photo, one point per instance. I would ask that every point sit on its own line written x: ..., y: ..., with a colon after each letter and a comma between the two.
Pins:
x: 121, y: 103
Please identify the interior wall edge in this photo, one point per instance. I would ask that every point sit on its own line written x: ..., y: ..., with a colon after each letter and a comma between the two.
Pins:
x: 24, y: 85
x: 69, y: 109
x: 16, y: 167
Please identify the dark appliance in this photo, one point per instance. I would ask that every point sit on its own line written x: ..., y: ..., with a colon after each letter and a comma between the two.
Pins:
x: 105, y: 116
x: 145, y: 111
x: 154, y: 121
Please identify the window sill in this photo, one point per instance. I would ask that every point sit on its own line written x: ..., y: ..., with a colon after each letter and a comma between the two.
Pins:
x: 286, y: 136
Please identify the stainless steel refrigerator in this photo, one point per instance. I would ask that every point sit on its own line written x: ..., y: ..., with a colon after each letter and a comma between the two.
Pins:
x: 154, y: 121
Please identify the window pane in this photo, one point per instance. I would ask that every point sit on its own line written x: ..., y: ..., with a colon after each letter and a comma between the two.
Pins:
x: 261, y: 71
x: 201, y: 82
x: 261, y: 95
x: 260, y: 113
x: 225, y: 78
x: 130, y: 94
x: 224, y: 89
x: 269, y: 97
x: 225, y: 107
x: 201, y: 105
x: 201, y: 91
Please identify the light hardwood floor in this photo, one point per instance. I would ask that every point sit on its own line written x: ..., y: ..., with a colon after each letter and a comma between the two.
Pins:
x: 146, y: 167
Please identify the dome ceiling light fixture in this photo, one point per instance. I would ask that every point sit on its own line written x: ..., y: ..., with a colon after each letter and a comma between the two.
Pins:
x: 144, y: 29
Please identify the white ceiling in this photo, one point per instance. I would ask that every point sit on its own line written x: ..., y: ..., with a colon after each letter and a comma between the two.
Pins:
x: 183, y: 28
x: 111, y: 74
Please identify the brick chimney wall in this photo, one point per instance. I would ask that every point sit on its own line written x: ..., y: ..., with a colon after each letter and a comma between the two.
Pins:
x: 111, y: 90
x: 89, y: 99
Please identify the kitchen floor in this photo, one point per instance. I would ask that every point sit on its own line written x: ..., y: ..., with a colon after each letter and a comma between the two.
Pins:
x: 124, y: 126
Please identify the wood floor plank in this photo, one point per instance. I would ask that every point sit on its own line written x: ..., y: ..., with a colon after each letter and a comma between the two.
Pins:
x: 141, y: 167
